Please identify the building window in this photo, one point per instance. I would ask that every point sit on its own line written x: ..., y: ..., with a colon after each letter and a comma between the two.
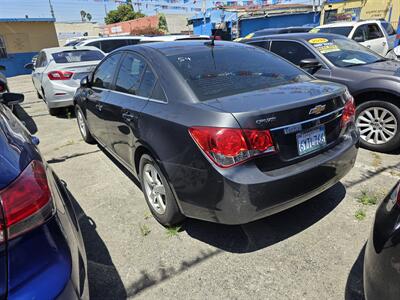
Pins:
x: 3, y: 52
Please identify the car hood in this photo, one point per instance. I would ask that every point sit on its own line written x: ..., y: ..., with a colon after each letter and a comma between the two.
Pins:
x: 389, y: 68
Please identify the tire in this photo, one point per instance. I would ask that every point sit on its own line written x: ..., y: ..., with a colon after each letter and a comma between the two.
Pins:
x: 82, y: 125
x: 379, y: 125
x: 167, y: 213
x: 54, y: 111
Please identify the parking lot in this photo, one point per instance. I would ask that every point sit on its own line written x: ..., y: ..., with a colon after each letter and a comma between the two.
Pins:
x: 311, y: 251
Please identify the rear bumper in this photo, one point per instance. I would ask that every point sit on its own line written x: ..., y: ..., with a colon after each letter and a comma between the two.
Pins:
x: 59, y: 95
x: 244, y: 193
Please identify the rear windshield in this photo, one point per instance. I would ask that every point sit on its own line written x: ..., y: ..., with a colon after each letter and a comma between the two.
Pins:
x: 73, y: 56
x: 223, y: 71
x: 345, y: 30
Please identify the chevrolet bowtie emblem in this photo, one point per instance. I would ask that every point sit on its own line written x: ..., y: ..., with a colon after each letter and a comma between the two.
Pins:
x: 317, y: 110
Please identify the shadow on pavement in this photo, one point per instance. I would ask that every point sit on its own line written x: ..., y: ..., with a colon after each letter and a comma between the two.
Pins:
x: 104, y: 280
x: 26, y: 119
x: 354, y: 286
x: 270, y: 230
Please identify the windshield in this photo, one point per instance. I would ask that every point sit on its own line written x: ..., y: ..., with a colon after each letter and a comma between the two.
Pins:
x: 345, y: 30
x: 77, y: 56
x: 344, y: 52
x: 220, y: 71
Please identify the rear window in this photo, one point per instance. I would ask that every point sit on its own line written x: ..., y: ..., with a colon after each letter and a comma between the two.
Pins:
x: 65, y: 57
x: 223, y: 71
x: 345, y: 30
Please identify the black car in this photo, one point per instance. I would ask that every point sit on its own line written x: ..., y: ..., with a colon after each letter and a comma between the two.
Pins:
x: 269, y: 31
x: 42, y: 255
x: 382, y: 253
x: 373, y: 80
x: 224, y: 132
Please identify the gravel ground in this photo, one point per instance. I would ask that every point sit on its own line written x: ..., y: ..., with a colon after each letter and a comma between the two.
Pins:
x: 312, y: 251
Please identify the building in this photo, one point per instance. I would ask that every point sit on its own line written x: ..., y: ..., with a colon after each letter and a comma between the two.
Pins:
x: 21, y: 39
x: 72, y: 30
x: 353, y: 10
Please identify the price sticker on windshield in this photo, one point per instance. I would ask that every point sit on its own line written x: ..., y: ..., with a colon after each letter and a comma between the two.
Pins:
x: 324, y: 45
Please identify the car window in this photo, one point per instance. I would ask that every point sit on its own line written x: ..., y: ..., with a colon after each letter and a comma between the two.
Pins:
x: 388, y: 28
x: 104, y: 74
x: 93, y: 44
x: 292, y: 51
x: 110, y: 45
x: 41, y: 61
x: 130, y: 74
x: 374, y: 32
x: 220, y: 71
x: 342, y: 30
x: 74, y: 56
x: 344, y: 52
x: 147, y: 84
x: 132, y: 41
x: 158, y: 93
x: 360, y: 34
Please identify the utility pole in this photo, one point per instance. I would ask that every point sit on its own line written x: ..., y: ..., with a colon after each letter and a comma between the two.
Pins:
x: 52, y: 10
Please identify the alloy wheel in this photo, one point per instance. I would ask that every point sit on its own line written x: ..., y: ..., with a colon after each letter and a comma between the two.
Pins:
x: 154, y: 189
x: 377, y: 125
x: 81, y: 123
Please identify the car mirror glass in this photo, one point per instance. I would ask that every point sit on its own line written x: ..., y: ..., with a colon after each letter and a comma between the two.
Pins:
x: 85, y: 81
x: 29, y: 66
x: 310, y: 65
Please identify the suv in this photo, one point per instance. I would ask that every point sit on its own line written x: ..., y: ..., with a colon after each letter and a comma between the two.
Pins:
x: 109, y: 44
x: 377, y: 35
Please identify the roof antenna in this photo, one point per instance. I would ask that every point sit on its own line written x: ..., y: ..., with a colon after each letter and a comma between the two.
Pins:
x: 212, y: 42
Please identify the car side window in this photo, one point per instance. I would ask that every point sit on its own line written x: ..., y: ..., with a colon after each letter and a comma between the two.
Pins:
x: 41, y: 61
x: 374, y: 32
x: 104, y: 74
x: 94, y: 44
x: 110, y: 45
x: 147, y: 84
x: 158, y: 93
x: 360, y: 35
x: 388, y: 28
x: 262, y: 44
x: 130, y: 74
x: 292, y: 51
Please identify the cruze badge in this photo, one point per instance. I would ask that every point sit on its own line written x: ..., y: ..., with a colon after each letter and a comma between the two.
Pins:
x: 317, y: 110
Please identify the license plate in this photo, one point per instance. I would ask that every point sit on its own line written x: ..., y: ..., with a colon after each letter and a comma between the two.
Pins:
x: 311, y: 140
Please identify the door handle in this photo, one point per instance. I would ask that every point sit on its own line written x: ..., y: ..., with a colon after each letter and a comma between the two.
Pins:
x: 99, y: 107
x: 384, y: 43
x: 128, y: 116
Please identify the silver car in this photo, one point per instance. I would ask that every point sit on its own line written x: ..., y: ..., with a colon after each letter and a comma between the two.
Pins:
x: 57, y: 73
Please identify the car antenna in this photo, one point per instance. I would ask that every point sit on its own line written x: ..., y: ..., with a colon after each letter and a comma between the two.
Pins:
x: 212, y: 42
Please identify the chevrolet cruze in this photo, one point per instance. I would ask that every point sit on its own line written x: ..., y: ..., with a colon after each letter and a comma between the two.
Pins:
x: 221, y: 131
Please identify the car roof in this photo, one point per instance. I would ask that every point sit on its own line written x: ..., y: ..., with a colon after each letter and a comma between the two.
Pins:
x: 352, y: 23
x: 124, y: 37
x: 303, y: 36
x: 69, y: 48
x: 173, y: 37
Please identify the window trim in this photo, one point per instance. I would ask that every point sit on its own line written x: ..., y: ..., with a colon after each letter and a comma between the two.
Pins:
x: 97, y: 68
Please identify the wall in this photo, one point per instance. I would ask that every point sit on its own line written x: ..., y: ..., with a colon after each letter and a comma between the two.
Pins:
x: 131, y: 27
x: 178, y: 23
x: 250, y: 25
x: 200, y: 28
x: 66, y: 31
x: 23, y: 40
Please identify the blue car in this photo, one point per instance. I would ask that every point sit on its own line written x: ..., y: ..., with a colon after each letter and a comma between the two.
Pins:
x: 42, y: 253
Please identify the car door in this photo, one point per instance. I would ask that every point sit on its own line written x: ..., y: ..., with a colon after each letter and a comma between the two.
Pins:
x: 390, y: 34
x: 37, y: 74
x: 374, y: 38
x: 133, y: 85
x: 96, y: 96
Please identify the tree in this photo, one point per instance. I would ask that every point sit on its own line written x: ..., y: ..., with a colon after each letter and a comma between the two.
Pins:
x: 89, y: 17
x: 83, y: 15
x: 124, y: 12
x: 162, y: 23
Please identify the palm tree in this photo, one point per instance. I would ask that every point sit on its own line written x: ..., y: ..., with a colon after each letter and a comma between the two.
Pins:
x: 83, y: 15
x: 89, y: 17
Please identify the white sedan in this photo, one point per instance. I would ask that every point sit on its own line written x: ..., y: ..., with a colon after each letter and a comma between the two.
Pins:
x: 57, y: 73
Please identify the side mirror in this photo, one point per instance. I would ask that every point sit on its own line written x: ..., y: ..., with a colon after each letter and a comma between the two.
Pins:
x: 85, y: 81
x: 358, y: 39
x: 2, y: 68
x: 310, y: 64
x: 11, y: 99
x: 29, y: 66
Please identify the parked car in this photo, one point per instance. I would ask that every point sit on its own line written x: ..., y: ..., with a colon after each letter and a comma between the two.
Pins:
x: 109, y: 44
x: 382, y: 252
x: 371, y: 79
x: 42, y: 254
x: 394, y: 54
x: 172, y: 37
x: 270, y: 31
x: 58, y: 71
x: 222, y: 131
x: 378, y: 35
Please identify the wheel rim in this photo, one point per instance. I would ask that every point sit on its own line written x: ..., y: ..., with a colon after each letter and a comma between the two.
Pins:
x: 81, y: 123
x: 377, y: 125
x: 154, y: 188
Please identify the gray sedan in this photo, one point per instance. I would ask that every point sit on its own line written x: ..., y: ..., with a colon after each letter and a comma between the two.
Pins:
x: 373, y: 80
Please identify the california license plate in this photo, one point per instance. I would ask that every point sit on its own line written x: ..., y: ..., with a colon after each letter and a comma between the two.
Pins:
x: 311, y: 140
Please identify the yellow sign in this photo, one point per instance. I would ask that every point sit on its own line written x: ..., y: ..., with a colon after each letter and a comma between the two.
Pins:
x: 318, y: 41
x: 249, y: 36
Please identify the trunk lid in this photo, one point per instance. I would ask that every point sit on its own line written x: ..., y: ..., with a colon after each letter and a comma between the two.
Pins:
x: 80, y: 70
x: 289, y: 111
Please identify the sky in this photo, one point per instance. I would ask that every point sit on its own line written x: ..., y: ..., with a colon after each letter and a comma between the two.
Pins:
x: 69, y: 10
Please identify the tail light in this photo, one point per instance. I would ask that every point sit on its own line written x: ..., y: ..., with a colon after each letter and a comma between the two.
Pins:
x: 60, y: 75
x: 227, y: 147
x: 27, y: 201
x: 349, y: 110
